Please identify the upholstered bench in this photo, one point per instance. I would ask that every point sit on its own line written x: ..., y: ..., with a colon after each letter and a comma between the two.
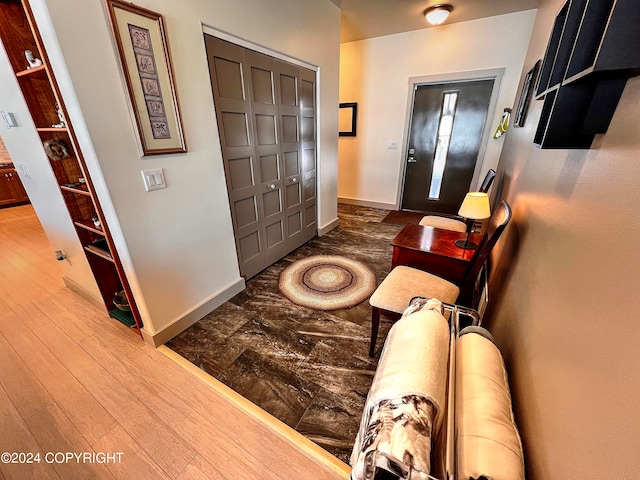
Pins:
x: 439, y: 406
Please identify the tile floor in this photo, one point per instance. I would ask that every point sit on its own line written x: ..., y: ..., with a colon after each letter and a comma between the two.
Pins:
x: 308, y: 368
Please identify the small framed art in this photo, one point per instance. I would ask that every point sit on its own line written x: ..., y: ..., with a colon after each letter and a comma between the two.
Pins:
x: 347, y: 119
x: 525, y: 95
x: 142, y: 46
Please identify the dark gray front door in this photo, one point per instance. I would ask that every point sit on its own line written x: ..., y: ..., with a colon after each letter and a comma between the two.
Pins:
x: 268, y: 148
x: 444, y: 140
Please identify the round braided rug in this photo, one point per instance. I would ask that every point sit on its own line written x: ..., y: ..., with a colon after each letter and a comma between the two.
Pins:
x: 327, y: 282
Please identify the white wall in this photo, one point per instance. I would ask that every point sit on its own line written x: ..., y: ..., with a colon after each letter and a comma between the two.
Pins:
x: 375, y: 74
x: 177, y: 244
x: 565, y: 292
x: 23, y: 145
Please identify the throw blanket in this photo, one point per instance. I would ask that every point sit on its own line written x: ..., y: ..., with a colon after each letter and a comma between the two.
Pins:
x: 405, y: 404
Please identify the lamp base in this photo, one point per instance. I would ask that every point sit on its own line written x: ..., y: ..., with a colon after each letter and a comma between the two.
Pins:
x: 466, y: 245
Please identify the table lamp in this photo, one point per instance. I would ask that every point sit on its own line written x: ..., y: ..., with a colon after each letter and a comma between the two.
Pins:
x: 475, y: 206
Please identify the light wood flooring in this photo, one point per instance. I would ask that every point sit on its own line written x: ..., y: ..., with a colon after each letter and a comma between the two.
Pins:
x: 74, y: 380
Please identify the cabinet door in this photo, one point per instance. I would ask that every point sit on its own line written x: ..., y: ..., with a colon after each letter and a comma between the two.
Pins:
x: 16, y: 183
x: 7, y: 194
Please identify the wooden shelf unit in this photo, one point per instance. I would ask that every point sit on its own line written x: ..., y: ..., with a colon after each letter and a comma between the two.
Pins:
x: 18, y: 32
x: 592, y: 51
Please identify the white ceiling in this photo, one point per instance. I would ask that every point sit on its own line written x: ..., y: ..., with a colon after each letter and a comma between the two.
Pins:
x: 374, y: 18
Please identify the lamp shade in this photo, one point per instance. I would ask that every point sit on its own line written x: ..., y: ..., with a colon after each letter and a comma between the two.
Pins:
x: 475, y: 206
x: 437, y: 14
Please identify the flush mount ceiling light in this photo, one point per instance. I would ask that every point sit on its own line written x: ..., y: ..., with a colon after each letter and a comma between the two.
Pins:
x: 437, y: 14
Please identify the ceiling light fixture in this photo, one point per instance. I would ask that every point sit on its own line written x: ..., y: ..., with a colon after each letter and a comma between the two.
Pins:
x: 437, y: 14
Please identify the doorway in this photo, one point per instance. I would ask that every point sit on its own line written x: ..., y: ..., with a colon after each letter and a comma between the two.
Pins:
x: 266, y: 113
x: 445, y: 138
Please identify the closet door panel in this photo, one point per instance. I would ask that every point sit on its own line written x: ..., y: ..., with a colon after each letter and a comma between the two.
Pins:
x: 308, y: 149
x: 266, y: 115
x: 230, y: 82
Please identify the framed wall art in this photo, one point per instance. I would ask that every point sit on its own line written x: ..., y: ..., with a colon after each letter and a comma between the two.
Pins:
x: 525, y: 95
x: 347, y: 119
x: 142, y: 46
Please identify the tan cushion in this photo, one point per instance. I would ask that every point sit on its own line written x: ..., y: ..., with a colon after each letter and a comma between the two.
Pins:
x: 443, y: 223
x: 488, y: 443
x: 403, y: 283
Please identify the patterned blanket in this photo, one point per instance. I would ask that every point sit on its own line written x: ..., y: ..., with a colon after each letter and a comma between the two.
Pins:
x: 398, y: 437
x: 404, y: 406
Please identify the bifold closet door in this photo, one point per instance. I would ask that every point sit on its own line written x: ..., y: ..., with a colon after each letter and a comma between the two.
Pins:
x: 257, y: 100
x: 308, y: 147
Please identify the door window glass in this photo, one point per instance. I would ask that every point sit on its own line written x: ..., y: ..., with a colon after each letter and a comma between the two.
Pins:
x: 442, y: 144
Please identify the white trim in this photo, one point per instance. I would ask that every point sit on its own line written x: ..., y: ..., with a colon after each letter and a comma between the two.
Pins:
x: 367, y: 203
x: 328, y: 227
x: 242, y: 42
x: 494, y: 74
x: 84, y: 293
x: 192, y: 316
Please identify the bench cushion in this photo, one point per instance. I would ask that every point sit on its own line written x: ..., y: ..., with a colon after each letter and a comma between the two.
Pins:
x: 488, y: 443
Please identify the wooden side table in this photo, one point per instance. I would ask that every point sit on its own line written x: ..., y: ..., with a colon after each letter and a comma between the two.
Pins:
x: 433, y: 250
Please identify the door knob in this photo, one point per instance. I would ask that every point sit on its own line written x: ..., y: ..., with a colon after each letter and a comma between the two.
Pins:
x: 411, y: 160
x: 272, y: 186
x: 294, y: 180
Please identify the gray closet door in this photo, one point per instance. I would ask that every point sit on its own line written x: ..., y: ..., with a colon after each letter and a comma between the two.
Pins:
x: 257, y: 100
x: 308, y: 147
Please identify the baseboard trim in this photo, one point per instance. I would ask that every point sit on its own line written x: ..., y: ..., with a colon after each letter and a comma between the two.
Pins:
x: 328, y: 227
x: 76, y: 288
x: 179, y: 325
x: 299, y: 441
x: 367, y: 203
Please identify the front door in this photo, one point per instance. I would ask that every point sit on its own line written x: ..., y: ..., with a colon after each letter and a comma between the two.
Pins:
x: 444, y: 140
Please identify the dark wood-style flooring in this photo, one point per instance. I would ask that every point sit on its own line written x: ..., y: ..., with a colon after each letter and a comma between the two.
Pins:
x: 308, y: 368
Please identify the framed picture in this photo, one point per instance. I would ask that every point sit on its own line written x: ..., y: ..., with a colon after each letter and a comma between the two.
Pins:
x: 347, y: 119
x: 142, y: 46
x: 525, y: 95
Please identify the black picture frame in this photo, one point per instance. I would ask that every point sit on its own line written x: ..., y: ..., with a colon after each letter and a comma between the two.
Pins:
x: 525, y: 95
x: 347, y: 121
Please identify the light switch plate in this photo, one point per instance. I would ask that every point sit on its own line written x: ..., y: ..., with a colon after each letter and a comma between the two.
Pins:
x: 392, y: 144
x: 153, y: 179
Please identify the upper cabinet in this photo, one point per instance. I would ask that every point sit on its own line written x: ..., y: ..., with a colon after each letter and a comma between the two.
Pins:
x: 28, y: 57
x: 593, y: 49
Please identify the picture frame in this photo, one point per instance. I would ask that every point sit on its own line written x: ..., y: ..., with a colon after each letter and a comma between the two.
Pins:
x: 140, y: 36
x: 525, y: 95
x: 347, y: 119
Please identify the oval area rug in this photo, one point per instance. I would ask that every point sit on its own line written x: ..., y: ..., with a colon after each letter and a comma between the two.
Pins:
x: 327, y: 282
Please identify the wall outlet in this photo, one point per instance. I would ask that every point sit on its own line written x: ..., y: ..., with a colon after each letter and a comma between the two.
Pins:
x: 392, y: 144
x: 60, y: 255
x: 23, y: 169
x: 9, y: 119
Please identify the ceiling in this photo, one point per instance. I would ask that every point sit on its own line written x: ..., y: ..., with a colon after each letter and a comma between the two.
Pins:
x: 374, y: 18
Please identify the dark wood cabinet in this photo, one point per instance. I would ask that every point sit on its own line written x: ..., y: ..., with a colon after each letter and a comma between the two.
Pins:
x: 18, y: 33
x: 593, y: 49
x: 11, y: 190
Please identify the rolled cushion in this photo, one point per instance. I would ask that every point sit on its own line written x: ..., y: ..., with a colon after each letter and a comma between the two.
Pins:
x: 488, y: 443
x: 414, y: 359
x: 479, y: 330
x: 403, y: 283
x: 444, y: 223
x: 407, y: 396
